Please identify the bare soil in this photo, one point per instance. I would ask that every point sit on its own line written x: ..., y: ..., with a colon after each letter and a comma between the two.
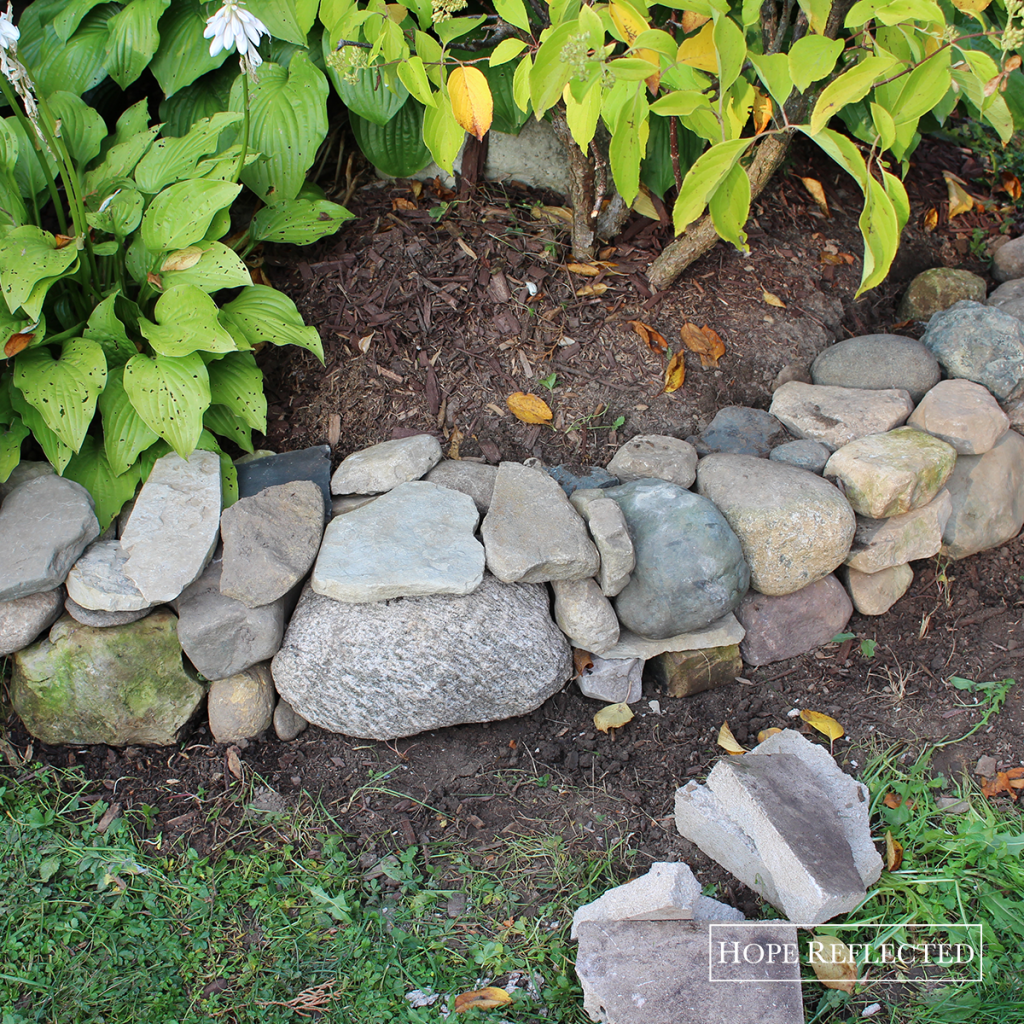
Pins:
x: 426, y: 307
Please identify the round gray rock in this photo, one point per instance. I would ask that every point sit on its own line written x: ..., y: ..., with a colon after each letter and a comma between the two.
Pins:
x: 689, y: 568
x: 806, y: 454
x: 878, y: 362
x: 794, y: 527
x: 1008, y: 261
x: 980, y: 343
x: 939, y: 288
x: 400, y: 667
x: 742, y: 431
x: 1009, y: 297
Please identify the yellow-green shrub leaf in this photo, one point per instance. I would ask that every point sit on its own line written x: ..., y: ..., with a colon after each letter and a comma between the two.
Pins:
x: 812, y: 58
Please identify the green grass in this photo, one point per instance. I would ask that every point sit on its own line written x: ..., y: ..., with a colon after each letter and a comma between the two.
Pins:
x: 106, y: 928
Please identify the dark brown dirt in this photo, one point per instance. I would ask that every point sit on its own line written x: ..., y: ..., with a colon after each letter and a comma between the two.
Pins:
x: 428, y: 324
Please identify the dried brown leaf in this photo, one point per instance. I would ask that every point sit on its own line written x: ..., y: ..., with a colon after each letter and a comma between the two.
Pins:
x: 1009, y: 184
x: 482, y: 999
x: 17, y: 343
x: 589, y: 290
x: 402, y: 204
x: 234, y: 762
x: 704, y: 342
x: 583, y: 661
x: 893, y: 853
x: 772, y: 299
x: 655, y: 341
x: 584, y: 269
x: 817, y: 194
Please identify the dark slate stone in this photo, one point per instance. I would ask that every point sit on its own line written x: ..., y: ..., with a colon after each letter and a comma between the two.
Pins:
x: 742, y: 431
x: 308, y: 464
x: 569, y: 482
x: 806, y: 454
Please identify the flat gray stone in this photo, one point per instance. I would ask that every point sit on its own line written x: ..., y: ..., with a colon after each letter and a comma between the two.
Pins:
x: 174, y: 525
x: 890, y: 474
x: 963, y: 414
x: 724, y: 632
x: 1008, y: 260
x: 614, y: 681
x: 102, y: 620
x: 45, y: 524
x: 689, y: 568
x: 987, y: 493
x: 878, y: 362
x: 793, y: 526
x: 658, y: 972
x: 835, y: 416
x: 796, y: 831
x: 377, y: 469
x: 221, y: 636
x: 608, y: 528
x: 809, y: 455
x: 288, y: 724
x: 585, y: 615
x: 980, y: 343
x: 881, y: 543
x: 876, y: 592
x: 668, y: 892
x: 242, y: 706
x: 97, y: 580
x: 415, y: 540
x: 115, y: 686
x: 742, y: 431
x: 24, y: 618
x: 531, y: 533
x: 23, y: 472
x: 397, y: 668
x: 655, y: 456
x: 784, y: 627
x: 473, y: 478
x: 270, y: 541
x: 937, y: 289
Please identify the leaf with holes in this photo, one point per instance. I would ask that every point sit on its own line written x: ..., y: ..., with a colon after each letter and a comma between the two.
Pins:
x: 30, y: 261
x: 170, y: 394
x: 237, y: 383
x: 125, y: 433
x: 63, y: 390
x: 298, y: 221
x: 262, y: 315
x: 210, y: 266
x: 186, y: 321
x: 181, y: 214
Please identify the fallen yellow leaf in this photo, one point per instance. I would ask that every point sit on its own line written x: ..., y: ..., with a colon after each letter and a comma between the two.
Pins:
x: 482, y: 999
x: 893, y: 853
x: 560, y: 215
x: 471, y: 100
x: 960, y: 201
x: 772, y: 299
x: 817, y: 194
x: 765, y: 733
x: 584, y: 269
x: 823, y: 723
x: 182, y: 259
x: 1009, y: 184
x: 528, y: 408
x: 931, y: 220
x: 728, y: 742
x: 675, y: 373
x: 833, y: 963
x: 612, y: 717
x: 589, y: 290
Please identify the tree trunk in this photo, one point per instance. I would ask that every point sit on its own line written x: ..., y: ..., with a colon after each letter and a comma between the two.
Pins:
x: 701, y: 236
x: 581, y: 189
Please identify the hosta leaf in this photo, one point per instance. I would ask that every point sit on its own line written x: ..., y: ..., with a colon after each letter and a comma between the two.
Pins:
x: 171, y: 159
x: 28, y: 256
x: 264, y: 314
x: 71, y: 16
x: 56, y: 451
x: 209, y: 95
x: 125, y: 433
x: 228, y: 474
x: 186, y: 322
x: 117, y: 164
x: 236, y: 383
x: 217, y: 267
x: 290, y: 20
x: 396, y: 148
x: 368, y: 96
x: 63, y: 390
x: 10, y: 447
x: 75, y: 66
x: 133, y: 39
x: 181, y: 213
x: 298, y: 221
x: 110, y: 490
x: 288, y: 122
x: 81, y: 127
x: 121, y: 213
x: 219, y: 419
x: 170, y: 394
x: 184, y: 54
x: 105, y: 327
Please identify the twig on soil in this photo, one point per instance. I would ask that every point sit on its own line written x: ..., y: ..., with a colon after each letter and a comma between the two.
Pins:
x: 309, y: 1001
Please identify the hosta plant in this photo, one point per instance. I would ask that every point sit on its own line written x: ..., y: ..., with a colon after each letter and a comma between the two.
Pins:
x: 129, y: 320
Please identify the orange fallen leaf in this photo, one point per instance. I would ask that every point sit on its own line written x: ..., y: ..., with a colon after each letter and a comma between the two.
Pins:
x: 893, y: 853
x: 817, y: 194
x: 765, y: 733
x: 675, y: 373
x: 592, y: 289
x: 1011, y: 783
x: 823, y: 723
x: 402, y: 204
x: 655, y: 341
x: 155, y: 280
x: 704, y: 342
x: 692, y: 21
x: 894, y: 801
x: 17, y: 343
x: 833, y: 963
x: 931, y: 220
x: 1009, y: 184
x: 482, y: 999
x: 728, y: 742
x: 772, y: 299
x: 583, y: 661
x: 584, y: 269
x: 528, y: 408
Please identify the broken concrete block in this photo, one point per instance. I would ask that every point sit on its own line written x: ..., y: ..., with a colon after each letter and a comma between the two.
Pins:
x: 618, y: 682
x: 684, y: 673
x: 668, y: 892
x: 850, y: 798
x: 795, y: 830
x: 703, y: 819
x: 659, y: 972
x: 707, y: 909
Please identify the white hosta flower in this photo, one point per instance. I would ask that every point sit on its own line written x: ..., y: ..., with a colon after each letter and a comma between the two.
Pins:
x: 234, y: 26
x: 9, y: 33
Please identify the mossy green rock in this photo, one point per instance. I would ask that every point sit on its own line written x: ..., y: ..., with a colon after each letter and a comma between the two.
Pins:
x: 937, y: 289
x: 121, y: 685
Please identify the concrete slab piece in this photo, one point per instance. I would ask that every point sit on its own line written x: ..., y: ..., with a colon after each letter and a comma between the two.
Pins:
x: 659, y: 972
x: 668, y: 892
x: 850, y: 798
x: 796, y: 832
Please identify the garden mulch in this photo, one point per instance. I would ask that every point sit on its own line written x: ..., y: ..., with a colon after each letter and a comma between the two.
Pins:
x: 435, y: 305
